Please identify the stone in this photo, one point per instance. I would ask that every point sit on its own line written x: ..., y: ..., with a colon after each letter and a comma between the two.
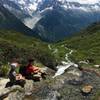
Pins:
x: 15, y: 92
x: 28, y: 87
x: 3, y: 82
x: 8, y: 92
x: 75, y: 72
x: 97, y: 66
x: 87, y: 89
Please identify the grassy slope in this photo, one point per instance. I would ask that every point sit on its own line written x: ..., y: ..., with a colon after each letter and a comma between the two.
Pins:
x: 86, y: 45
x: 14, y: 44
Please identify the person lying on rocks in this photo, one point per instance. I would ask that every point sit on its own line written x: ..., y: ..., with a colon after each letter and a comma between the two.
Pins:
x: 14, y: 76
x: 35, y: 72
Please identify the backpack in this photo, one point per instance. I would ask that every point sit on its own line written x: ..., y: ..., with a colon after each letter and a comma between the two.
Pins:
x: 22, y: 70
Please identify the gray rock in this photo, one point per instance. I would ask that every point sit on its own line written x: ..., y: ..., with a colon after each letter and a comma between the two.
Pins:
x: 64, y: 87
x: 16, y: 92
x: 28, y: 87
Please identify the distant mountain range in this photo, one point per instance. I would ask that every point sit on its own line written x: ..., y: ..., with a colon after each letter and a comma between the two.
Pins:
x: 53, y: 20
x: 10, y: 22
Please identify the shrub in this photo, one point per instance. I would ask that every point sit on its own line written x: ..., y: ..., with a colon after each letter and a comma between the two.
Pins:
x: 4, y: 69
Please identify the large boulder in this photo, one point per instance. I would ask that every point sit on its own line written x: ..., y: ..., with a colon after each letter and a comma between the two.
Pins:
x: 15, y: 92
x: 87, y: 89
x: 68, y: 86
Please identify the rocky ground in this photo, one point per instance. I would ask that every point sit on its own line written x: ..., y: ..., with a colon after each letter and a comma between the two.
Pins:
x: 64, y: 87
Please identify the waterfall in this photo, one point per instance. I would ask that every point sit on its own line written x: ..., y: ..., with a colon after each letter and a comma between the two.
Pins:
x: 65, y: 65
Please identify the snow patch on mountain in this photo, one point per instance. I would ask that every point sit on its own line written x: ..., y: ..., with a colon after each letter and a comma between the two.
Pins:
x: 28, y: 5
x: 30, y: 22
x: 10, y: 8
x: 86, y: 7
x: 46, y: 9
x: 7, y: 6
x: 21, y: 1
x: 81, y: 1
x: 31, y: 6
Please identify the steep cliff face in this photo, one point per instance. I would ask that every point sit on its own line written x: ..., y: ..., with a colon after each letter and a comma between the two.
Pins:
x: 10, y: 22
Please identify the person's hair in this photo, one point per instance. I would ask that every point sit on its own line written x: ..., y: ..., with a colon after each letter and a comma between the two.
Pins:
x: 30, y: 60
x: 15, y: 60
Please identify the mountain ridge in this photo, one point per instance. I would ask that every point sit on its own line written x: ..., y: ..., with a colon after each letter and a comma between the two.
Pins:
x: 54, y: 19
x: 9, y: 21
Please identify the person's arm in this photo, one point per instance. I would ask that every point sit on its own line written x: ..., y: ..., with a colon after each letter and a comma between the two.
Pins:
x: 36, y: 69
x: 19, y: 77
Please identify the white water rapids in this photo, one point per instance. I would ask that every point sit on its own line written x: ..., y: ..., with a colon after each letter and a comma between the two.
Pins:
x: 65, y: 65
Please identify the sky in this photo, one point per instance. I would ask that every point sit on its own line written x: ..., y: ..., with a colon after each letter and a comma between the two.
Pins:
x: 85, y: 1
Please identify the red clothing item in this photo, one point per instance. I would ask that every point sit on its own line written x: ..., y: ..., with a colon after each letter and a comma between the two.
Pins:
x: 31, y: 69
